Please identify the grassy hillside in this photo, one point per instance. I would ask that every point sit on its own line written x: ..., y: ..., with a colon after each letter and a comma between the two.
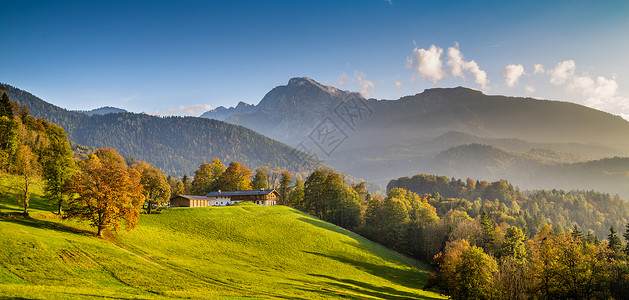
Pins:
x: 243, y: 251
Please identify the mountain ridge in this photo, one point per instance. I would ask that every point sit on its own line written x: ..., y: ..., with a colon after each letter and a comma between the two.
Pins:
x: 102, y: 111
x: 404, y: 136
x: 177, y: 145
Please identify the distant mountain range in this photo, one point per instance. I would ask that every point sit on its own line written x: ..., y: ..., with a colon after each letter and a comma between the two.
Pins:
x: 102, y: 111
x: 445, y: 131
x: 456, y: 132
x: 177, y: 145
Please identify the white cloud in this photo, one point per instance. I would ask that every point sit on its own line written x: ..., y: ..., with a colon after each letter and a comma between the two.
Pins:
x: 529, y: 89
x: 195, y: 109
x: 427, y: 63
x: 364, y: 84
x: 359, y: 79
x: 512, y: 74
x: 168, y: 112
x: 562, y: 72
x: 539, y: 69
x: 616, y: 105
x: 602, y: 88
x: 455, y: 61
x: 458, y: 65
x: 599, y: 93
x: 398, y: 84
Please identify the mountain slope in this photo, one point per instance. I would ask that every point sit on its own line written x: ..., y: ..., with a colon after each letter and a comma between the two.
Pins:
x: 245, y: 251
x: 177, y: 145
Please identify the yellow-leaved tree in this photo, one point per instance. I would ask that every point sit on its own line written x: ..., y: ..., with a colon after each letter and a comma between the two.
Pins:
x: 107, y: 192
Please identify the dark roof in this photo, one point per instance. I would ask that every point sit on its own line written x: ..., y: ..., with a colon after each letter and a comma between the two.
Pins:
x: 191, y: 197
x: 240, y: 193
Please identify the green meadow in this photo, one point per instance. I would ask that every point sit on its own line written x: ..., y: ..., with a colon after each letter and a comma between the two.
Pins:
x: 243, y: 251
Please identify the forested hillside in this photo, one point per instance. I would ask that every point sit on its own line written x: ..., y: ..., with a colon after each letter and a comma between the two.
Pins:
x: 533, y: 169
x: 529, y: 210
x: 177, y: 145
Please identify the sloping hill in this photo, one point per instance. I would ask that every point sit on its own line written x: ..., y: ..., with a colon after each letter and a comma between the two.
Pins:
x: 177, y: 145
x: 244, y: 251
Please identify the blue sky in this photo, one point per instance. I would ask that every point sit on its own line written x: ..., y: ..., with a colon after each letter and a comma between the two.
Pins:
x: 181, y: 57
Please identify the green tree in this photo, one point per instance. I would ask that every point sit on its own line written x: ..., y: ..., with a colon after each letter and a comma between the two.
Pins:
x: 296, y: 197
x: 207, y: 176
x: 395, y: 219
x: 513, y: 245
x: 477, y: 271
x: 8, y: 140
x: 465, y: 271
x: 57, y: 165
x: 314, y: 193
x: 329, y: 198
x: 260, y: 180
x: 6, y: 105
x: 176, y: 186
x: 154, y: 185
x: 186, y: 185
x: 626, y: 236
x: 615, y: 244
x: 284, y: 188
x: 489, y: 232
x: 108, y: 192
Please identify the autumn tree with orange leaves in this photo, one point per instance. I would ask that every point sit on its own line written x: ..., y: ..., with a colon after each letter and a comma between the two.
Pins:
x: 107, y: 192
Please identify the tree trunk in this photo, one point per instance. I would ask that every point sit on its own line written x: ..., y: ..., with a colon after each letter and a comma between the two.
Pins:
x: 25, y: 195
x: 59, y: 211
x: 99, y: 232
x: 149, y: 205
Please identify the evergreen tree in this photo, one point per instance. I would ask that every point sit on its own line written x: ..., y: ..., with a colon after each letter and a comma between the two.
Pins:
x: 284, y: 188
x: 614, y: 241
x: 296, y: 197
x: 187, y: 185
x: 260, y: 180
x: 577, y: 234
x: 626, y: 236
x: 489, y: 232
x: 6, y: 106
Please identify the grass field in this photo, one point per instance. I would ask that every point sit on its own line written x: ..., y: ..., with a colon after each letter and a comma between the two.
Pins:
x: 243, y: 251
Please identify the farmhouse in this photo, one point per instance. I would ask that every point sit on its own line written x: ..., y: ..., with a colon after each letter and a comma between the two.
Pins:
x: 262, y: 197
x: 220, y: 198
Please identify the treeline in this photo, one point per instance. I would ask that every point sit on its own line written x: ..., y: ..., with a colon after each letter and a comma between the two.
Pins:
x: 176, y: 145
x: 529, y: 211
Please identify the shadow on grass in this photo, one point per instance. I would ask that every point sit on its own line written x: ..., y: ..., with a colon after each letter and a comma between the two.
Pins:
x: 352, y: 289
x: 409, y: 278
x: 9, y: 196
x: 18, y: 218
